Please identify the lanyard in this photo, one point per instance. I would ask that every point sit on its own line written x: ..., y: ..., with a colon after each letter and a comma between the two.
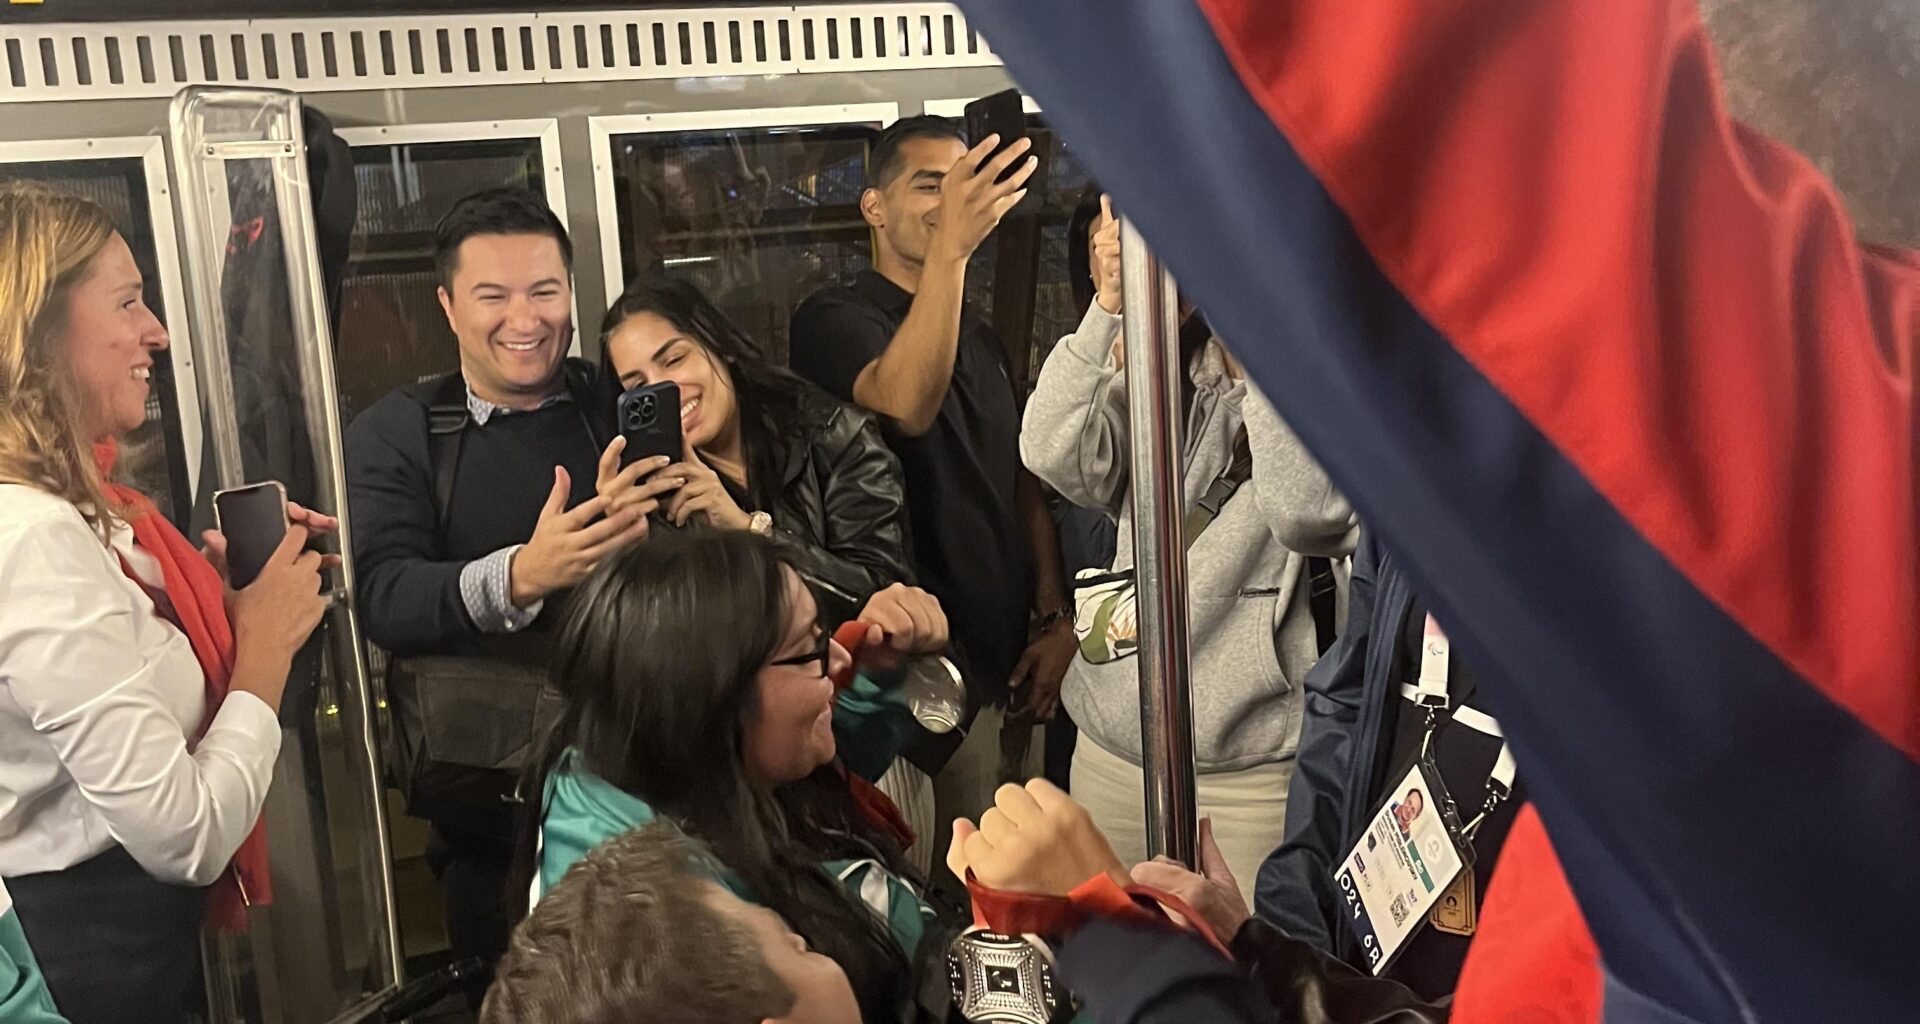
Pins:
x: 1433, y: 693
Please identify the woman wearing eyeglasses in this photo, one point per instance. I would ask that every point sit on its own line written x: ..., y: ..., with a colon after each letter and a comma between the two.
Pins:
x: 700, y: 690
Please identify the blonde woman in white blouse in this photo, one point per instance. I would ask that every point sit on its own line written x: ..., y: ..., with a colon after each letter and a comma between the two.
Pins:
x: 138, y: 710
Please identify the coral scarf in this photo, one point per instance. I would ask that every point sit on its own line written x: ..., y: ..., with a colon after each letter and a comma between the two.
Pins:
x: 197, y: 598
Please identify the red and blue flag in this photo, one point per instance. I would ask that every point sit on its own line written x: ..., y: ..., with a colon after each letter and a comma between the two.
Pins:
x: 1614, y: 374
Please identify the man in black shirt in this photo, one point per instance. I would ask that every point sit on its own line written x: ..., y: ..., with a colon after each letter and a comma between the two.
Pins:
x: 900, y: 341
x: 457, y: 564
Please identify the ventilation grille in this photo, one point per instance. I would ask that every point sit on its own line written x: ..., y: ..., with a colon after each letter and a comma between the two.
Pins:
x: 142, y: 59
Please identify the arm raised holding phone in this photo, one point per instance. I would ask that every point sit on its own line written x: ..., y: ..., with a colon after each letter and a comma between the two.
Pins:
x: 959, y: 207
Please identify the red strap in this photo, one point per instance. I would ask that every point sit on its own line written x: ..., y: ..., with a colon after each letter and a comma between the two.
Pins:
x: 877, y: 805
x: 851, y: 635
x: 879, y: 808
x: 1019, y: 913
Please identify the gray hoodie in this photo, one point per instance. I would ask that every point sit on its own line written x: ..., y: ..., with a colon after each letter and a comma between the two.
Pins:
x: 1245, y: 574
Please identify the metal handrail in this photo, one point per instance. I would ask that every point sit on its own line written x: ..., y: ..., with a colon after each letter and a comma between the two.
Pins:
x: 201, y: 152
x: 1152, y: 319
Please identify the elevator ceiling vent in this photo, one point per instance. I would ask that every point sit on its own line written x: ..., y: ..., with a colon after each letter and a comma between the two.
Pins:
x: 39, y: 63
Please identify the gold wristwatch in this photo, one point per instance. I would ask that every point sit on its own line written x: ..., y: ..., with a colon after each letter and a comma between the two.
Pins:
x: 761, y: 523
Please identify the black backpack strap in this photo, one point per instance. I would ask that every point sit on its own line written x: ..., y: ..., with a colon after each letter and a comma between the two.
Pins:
x: 1323, y: 599
x: 447, y: 419
x: 1222, y: 489
x: 594, y: 403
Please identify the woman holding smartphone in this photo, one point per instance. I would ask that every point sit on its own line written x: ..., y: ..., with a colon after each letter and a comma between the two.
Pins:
x: 138, y: 697
x: 765, y: 450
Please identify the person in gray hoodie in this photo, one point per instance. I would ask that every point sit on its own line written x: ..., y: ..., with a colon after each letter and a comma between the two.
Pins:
x: 1252, y: 629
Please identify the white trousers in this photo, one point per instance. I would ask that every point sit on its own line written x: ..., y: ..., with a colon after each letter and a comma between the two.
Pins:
x: 963, y: 789
x: 1248, y: 807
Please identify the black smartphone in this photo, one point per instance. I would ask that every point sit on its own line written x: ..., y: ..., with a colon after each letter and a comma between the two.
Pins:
x: 649, y: 418
x: 1004, y: 114
x: 254, y: 520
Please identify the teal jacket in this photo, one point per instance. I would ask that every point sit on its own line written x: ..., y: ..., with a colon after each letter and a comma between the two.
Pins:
x: 870, y: 721
x: 23, y: 993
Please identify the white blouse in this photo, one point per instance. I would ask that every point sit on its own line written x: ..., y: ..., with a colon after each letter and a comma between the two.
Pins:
x: 99, y: 698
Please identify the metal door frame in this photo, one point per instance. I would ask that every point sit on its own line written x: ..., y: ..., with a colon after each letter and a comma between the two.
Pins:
x: 194, y: 156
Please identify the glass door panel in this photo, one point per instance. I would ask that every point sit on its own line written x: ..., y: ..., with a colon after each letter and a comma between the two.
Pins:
x: 392, y: 331
x: 155, y: 459
x: 759, y: 218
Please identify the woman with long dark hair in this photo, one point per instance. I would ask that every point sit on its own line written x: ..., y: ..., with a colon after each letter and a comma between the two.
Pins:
x: 767, y: 451
x: 699, y: 690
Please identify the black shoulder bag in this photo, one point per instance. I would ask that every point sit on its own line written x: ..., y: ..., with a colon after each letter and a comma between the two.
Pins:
x: 463, y: 727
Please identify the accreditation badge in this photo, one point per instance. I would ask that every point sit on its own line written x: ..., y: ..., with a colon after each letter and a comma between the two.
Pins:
x: 1409, y: 856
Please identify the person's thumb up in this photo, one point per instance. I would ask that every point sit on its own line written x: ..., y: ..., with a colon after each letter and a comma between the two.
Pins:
x: 1213, y: 863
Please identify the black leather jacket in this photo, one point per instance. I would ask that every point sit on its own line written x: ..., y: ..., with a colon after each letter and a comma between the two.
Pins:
x: 843, y: 505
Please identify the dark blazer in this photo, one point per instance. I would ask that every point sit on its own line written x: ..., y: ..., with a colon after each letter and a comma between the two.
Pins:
x: 1347, y: 694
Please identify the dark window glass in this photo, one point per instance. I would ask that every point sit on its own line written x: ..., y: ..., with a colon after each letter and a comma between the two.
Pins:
x: 392, y: 330
x: 154, y: 458
x: 759, y: 218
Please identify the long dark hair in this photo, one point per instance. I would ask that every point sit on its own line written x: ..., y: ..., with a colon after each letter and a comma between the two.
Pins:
x: 658, y: 657
x: 766, y: 396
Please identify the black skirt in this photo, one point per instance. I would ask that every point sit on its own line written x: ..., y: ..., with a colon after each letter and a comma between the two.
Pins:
x: 115, y: 944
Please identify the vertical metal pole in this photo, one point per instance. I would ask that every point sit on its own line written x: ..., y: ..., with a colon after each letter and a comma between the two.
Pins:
x: 1152, y: 315
x: 313, y: 330
x: 204, y: 241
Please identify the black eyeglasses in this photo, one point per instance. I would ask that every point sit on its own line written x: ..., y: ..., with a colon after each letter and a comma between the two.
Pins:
x: 819, y: 654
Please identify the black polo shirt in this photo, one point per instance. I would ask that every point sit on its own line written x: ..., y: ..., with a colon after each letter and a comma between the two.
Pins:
x: 969, y: 544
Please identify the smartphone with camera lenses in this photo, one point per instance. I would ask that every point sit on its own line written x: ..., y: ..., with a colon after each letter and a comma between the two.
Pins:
x: 649, y: 418
x: 1001, y: 114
